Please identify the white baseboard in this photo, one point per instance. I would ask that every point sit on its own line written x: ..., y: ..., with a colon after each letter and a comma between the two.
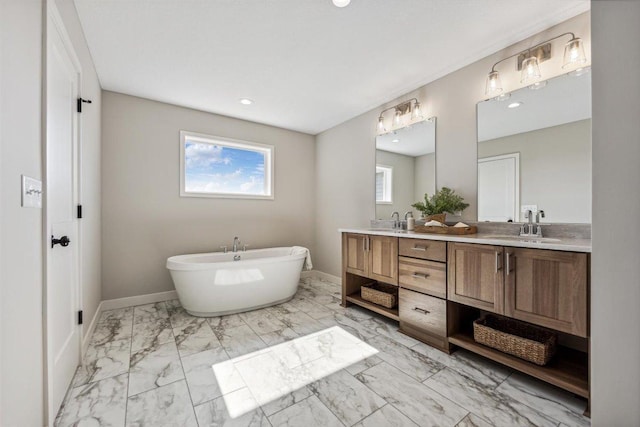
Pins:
x: 112, y: 304
x: 92, y: 327
x: 317, y: 274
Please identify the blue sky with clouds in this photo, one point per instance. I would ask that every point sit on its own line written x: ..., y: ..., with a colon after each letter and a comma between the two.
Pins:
x: 213, y: 168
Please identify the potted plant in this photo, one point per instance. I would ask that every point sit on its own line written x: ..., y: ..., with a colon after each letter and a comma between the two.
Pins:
x: 437, y: 206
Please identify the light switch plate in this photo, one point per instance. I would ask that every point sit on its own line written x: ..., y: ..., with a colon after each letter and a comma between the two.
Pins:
x: 31, y: 192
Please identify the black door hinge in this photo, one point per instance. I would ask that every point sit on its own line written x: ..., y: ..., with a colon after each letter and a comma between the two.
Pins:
x: 79, y: 105
x: 79, y: 211
x: 80, y: 317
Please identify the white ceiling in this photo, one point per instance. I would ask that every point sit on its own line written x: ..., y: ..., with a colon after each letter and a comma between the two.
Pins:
x: 564, y: 99
x: 307, y: 64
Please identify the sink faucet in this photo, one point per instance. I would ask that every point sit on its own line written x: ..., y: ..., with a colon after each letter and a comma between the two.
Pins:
x: 236, y: 243
x: 397, y: 219
x: 529, y: 226
x: 539, y: 215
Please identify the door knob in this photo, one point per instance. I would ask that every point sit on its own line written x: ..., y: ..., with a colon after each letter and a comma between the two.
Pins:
x: 63, y: 241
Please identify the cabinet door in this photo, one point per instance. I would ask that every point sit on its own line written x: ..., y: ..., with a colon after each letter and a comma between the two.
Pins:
x: 548, y: 288
x: 355, y: 255
x: 383, y: 259
x: 475, y: 276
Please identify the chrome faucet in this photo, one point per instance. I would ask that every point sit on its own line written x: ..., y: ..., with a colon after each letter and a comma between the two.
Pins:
x: 397, y: 219
x: 529, y: 226
x: 236, y: 243
x: 539, y: 214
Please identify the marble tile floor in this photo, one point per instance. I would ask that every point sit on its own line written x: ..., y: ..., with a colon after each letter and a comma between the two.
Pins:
x: 308, y: 362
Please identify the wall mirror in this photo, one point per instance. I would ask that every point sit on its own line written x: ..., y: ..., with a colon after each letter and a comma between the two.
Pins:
x: 534, y: 152
x: 405, y: 167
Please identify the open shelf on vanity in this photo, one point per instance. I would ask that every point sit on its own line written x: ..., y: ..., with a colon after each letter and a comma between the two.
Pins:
x: 391, y: 313
x: 568, y: 369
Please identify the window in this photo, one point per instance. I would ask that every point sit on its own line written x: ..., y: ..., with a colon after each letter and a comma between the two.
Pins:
x: 383, y: 184
x: 211, y: 166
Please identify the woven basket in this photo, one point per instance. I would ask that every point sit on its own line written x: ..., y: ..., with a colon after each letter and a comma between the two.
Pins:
x: 380, y: 293
x: 519, y: 339
x: 436, y: 217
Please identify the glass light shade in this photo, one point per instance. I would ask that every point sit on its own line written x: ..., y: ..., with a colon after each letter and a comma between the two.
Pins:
x: 538, y: 85
x: 416, y: 113
x: 397, y: 119
x: 381, y: 128
x: 494, y: 84
x: 341, y: 3
x: 530, y: 70
x: 574, y: 53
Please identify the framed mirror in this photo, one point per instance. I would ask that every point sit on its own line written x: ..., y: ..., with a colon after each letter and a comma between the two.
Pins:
x: 534, y: 152
x: 405, y: 167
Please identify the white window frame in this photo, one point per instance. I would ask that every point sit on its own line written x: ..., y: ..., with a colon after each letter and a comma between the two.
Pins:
x: 268, y: 150
x: 387, y: 185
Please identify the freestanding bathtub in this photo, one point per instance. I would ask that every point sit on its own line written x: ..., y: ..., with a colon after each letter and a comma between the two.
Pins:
x: 213, y: 284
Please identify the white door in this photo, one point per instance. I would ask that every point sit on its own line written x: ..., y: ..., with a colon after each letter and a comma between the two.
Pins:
x: 499, y: 188
x: 62, y: 294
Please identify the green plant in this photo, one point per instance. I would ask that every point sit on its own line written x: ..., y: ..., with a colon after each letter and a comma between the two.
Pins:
x: 445, y: 200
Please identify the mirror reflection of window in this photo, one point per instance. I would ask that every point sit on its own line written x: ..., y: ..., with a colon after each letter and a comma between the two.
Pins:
x: 384, y: 188
x: 410, y: 153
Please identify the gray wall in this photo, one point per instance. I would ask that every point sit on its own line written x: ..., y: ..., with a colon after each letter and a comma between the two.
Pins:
x: 345, y: 154
x: 425, y: 177
x: 145, y: 221
x: 402, y: 183
x: 615, y: 287
x: 555, y: 169
x: 21, y: 371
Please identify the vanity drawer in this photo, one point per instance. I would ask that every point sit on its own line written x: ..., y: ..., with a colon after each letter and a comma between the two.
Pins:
x: 423, y: 249
x: 419, y: 275
x: 423, y: 312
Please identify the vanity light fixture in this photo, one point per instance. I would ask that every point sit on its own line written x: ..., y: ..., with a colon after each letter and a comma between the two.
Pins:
x: 529, y: 63
x: 341, y: 3
x: 405, y: 113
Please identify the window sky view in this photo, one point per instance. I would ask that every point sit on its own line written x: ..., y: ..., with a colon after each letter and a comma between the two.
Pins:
x: 211, y: 168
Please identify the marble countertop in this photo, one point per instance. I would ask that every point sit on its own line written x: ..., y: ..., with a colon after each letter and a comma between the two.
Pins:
x: 560, y: 244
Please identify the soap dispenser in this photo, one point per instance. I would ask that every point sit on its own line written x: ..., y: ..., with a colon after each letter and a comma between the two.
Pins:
x: 411, y: 222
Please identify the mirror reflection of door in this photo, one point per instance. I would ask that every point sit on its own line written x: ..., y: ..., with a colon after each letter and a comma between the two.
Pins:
x: 499, y: 188
x: 405, y: 167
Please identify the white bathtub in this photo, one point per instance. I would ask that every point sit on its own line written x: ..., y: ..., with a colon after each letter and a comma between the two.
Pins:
x: 213, y: 284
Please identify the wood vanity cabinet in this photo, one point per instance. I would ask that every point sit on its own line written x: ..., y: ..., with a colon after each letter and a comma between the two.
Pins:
x: 540, y: 286
x: 475, y: 276
x: 548, y: 288
x: 375, y: 257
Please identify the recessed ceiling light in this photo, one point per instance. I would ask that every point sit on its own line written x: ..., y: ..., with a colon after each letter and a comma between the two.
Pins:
x: 246, y: 101
x: 341, y: 3
x: 514, y: 105
x: 395, y: 140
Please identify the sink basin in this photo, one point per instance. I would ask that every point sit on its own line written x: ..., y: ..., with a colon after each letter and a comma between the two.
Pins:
x: 389, y: 230
x: 524, y: 238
